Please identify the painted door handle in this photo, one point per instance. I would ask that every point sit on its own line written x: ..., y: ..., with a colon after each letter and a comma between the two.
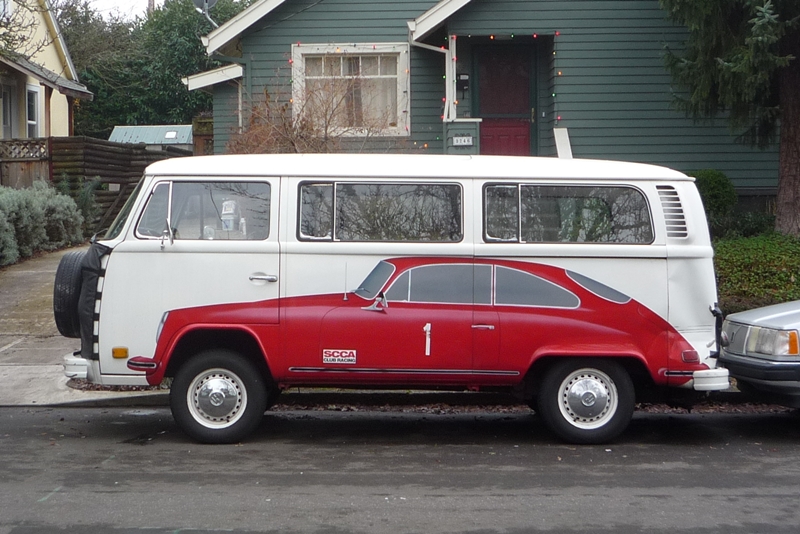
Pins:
x: 264, y: 277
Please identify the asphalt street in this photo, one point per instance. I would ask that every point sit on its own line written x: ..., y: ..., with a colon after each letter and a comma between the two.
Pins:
x: 130, y: 470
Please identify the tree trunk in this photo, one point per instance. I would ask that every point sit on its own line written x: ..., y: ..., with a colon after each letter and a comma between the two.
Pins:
x: 787, y: 219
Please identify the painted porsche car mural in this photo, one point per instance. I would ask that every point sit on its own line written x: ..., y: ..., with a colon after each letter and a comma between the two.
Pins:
x: 449, y: 322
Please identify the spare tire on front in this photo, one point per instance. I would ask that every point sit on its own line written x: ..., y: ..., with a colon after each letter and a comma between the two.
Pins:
x: 67, y: 292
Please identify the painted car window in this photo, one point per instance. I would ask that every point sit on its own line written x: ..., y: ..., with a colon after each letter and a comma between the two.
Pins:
x: 518, y: 288
x: 209, y: 211
x: 440, y: 283
x: 374, y: 281
x: 381, y: 212
x: 566, y: 214
x: 460, y: 284
x: 599, y: 289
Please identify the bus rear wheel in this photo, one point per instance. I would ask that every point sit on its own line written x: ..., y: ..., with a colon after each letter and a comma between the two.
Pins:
x: 587, y: 400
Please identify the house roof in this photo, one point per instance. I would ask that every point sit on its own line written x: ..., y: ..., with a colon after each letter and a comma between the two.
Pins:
x: 212, y: 77
x: 47, y: 77
x: 434, y: 17
x: 420, y: 27
x: 58, y: 39
x: 153, y: 135
x: 238, y: 24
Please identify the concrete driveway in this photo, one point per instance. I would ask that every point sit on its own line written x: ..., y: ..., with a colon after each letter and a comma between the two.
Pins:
x: 31, y: 349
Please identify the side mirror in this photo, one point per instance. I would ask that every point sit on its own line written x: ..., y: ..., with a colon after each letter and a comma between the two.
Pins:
x: 379, y: 304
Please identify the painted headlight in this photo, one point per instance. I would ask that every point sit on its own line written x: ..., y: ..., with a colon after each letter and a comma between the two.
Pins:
x: 771, y: 342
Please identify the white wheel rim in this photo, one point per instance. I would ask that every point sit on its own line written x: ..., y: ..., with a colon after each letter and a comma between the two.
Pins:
x: 588, y: 399
x: 217, y: 398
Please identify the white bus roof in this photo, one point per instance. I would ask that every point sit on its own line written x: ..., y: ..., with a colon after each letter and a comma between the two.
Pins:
x: 409, y: 166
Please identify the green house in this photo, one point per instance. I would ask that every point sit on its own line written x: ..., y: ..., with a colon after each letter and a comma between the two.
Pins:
x: 473, y: 77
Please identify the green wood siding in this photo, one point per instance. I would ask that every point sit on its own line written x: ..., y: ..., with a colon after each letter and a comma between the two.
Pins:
x: 614, y: 94
x: 226, y: 114
x: 267, y: 47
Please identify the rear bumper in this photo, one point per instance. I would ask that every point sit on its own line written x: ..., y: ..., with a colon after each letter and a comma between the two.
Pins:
x: 711, y: 380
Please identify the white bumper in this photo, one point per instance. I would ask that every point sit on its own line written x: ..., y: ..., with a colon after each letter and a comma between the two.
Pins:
x: 75, y: 366
x: 710, y: 380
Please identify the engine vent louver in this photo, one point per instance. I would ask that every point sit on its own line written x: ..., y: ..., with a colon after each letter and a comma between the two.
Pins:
x: 673, y: 212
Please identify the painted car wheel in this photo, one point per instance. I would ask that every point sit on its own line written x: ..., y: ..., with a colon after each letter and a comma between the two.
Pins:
x: 587, y: 401
x: 218, y: 397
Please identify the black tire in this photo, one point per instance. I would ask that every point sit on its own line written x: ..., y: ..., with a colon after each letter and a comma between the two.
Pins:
x: 67, y: 293
x: 224, y: 377
x: 587, y: 400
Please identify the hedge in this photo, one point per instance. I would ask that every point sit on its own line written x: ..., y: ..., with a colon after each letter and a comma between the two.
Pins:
x: 36, y: 219
x: 757, y: 271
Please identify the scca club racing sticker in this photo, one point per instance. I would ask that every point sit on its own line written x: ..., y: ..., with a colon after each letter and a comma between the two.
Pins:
x: 338, y: 356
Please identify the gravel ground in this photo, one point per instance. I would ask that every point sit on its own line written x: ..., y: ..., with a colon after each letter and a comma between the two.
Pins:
x: 297, y: 399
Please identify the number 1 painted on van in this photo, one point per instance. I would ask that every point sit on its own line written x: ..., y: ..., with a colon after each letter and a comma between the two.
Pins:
x: 427, y: 330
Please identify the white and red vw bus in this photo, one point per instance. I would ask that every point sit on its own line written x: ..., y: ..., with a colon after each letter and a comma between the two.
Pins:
x: 581, y: 286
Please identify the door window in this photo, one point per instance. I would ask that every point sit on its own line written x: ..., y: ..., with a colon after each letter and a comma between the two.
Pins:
x: 208, y: 211
x: 443, y: 284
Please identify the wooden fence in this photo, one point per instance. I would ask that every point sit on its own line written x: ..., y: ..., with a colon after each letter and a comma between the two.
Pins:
x: 77, y: 160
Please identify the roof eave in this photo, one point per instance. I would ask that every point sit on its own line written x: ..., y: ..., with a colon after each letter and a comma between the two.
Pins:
x: 433, y: 18
x: 238, y: 24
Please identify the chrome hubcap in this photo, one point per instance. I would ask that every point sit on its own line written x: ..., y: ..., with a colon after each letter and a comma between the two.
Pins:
x: 588, y: 398
x: 217, y: 398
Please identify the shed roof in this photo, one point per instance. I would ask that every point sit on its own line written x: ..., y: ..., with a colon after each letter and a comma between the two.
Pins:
x: 169, y: 134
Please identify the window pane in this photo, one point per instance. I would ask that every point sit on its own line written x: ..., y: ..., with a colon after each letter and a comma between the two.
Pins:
x: 501, y: 207
x: 398, y: 212
x: 513, y: 287
x: 154, y: 219
x: 220, y: 210
x: 442, y: 284
x: 369, y: 66
x: 316, y: 211
x: 333, y: 66
x: 313, y: 66
x: 352, y: 66
x: 557, y: 214
x: 399, y: 290
x: 374, y: 281
x: 389, y: 65
x: 379, y: 103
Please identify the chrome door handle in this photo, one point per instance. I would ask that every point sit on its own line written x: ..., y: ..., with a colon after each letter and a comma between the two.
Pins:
x: 483, y: 327
x: 264, y: 277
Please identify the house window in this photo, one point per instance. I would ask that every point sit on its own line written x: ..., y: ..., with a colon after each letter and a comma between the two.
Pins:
x: 352, y: 90
x: 32, y: 113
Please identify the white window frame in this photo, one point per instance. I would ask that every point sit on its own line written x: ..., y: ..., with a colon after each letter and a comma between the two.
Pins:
x: 36, y: 122
x: 401, y: 50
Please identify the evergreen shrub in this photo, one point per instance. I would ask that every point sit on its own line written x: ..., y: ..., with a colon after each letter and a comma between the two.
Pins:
x: 757, y: 271
x: 36, y: 219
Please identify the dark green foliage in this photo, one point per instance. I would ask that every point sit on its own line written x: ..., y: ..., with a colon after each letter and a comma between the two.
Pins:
x: 134, y: 68
x: 719, y: 200
x: 9, y: 253
x: 83, y: 194
x: 732, y: 60
x: 36, y: 219
x: 717, y: 191
x: 757, y: 271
